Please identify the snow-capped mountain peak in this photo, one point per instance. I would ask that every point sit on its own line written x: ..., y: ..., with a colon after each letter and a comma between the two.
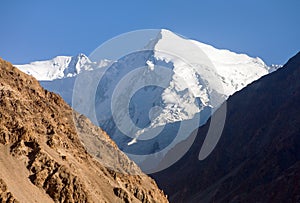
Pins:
x: 77, y: 64
x: 60, y: 67
x: 201, y: 78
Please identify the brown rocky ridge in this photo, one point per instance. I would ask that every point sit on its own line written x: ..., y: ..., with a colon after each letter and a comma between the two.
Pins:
x: 43, y: 156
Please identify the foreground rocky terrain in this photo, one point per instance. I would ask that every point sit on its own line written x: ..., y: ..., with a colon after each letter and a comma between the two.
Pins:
x: 257, y: 158
x: 42, y: 153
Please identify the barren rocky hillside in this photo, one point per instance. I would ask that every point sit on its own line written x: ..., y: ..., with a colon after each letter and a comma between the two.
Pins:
x: 42, y: 158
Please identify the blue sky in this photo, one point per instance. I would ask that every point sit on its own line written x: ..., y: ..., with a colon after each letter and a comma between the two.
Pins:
x: 38, y: 30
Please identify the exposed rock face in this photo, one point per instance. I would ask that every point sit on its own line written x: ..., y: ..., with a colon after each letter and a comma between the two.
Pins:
x: 5, y: 195
x: 42, y: 158
x: 257, y: 158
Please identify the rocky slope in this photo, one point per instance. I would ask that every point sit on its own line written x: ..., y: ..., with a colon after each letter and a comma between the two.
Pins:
x: 257, y: 158
x: 5, y: 195
x: 42, y: 153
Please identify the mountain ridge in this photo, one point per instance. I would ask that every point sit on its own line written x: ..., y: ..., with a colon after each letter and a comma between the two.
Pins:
x: 60, y: 67
x: 43, y: 151
x: 82, y: 59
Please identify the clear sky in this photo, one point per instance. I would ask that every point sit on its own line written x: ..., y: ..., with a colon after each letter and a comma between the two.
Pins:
x: 37, y: 30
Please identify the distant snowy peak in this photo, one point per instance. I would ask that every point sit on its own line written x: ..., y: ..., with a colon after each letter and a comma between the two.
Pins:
x: 197, y: 78
x: 47, y: 70
x: 233, y: 70
x: 203, y: 76
x: 61, y: 67
x: 166, y: 45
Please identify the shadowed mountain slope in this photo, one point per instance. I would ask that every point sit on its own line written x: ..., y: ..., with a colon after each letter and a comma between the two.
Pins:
x: 257, y: 158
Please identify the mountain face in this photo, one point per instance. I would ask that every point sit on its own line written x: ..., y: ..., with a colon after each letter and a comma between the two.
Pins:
x: 257, y: 158
x: 195, y: 79
x: 43, y: 156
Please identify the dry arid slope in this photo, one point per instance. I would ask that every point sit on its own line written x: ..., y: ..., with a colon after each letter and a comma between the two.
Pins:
x: 42, y: 158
